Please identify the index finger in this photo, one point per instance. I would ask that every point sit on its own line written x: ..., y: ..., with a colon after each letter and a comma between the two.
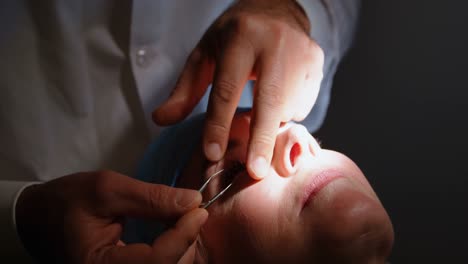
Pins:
x: 269, y: 111
x: 232, y: 72
x: 265, y: 123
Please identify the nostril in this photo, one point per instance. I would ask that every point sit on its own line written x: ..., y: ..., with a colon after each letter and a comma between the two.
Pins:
x: 294, y: 153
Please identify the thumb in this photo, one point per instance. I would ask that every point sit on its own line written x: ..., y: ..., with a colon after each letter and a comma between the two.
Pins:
x: 171, y: 246
x: 124, y: 196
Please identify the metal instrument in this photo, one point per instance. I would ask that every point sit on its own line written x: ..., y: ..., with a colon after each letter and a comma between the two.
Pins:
x: 232, y: 171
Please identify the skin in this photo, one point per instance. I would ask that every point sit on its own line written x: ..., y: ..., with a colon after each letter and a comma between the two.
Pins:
x: 79, y: 219
x: 264, y: 40
x: 269, y: 221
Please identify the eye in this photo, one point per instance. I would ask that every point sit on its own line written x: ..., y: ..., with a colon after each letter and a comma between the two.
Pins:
x: 224, y: 180
x: 230, y: 173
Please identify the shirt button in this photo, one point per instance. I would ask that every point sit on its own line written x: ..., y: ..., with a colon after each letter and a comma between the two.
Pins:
x: 142, y: 57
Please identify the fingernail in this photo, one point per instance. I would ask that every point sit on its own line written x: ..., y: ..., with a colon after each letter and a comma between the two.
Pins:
x: 188, y: 199
x: 202, y: 216
x: 213, y: 152
x: 260, y: 167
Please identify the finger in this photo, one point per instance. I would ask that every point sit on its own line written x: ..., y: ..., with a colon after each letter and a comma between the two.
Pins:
x: 174, y: 243
x: 134, y: 253
x: 190, y: 88
x: 120, y: 195
x: 232, y: 72
x: 265, y: 122
x: 190, y: 256
x: 279, y: 77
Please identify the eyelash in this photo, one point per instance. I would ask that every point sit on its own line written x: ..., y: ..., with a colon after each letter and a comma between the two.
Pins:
x: 236, y: 168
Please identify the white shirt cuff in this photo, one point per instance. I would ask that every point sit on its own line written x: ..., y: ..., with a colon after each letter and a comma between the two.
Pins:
x: 10, y: 242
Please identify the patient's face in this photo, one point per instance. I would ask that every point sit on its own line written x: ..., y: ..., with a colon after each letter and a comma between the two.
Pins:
x: 314, y: 207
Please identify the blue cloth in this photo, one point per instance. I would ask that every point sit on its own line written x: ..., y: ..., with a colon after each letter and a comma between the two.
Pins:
x: 167, y: 155
x: 162, y: 163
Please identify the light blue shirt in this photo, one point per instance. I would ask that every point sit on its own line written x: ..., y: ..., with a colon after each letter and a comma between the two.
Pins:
x: 79, y: 79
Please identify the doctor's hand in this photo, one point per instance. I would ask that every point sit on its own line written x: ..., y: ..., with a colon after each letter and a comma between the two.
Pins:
x: 264, y: 40
x: 79, y: 219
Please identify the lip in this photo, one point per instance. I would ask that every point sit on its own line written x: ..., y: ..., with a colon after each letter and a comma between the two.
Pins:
x: 314, y: 184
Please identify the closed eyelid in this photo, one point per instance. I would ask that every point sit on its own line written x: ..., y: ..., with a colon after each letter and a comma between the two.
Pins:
x: 232, y: 144
x: 219, y: 182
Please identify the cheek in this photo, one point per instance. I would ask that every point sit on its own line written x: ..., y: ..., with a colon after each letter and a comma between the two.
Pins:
x: 239, y: 227
x: 256, y: 206
x: 256, y: 212
x: 250, y: 222
x: 271, y: 231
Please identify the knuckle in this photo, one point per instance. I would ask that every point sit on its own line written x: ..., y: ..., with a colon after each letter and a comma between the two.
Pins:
x: 264, y: 142
x: 279, y: 28
x: 246, y: 27
x: 279, y: 32
x: 264, y: 138
x: 314, y: 58
x: 216, y: 128
x: 157, y: 195
x: 316, y: 52
x: 224, y: 90
x: 236, y: 26
x: 103, y: 187
x: 245, y: 22
x: 196, y: 56
x: 270, y: 96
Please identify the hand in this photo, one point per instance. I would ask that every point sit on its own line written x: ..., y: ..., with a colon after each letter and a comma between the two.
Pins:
x: 79, y: 219
x: 264, y: 40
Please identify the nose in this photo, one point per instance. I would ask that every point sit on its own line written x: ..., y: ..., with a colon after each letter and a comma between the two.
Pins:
x: 293, y: 144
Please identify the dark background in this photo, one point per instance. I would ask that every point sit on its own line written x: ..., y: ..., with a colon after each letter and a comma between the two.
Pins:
x: 399, y: 109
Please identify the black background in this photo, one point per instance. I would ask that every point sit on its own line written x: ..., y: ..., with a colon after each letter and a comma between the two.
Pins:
x: 400, y: 110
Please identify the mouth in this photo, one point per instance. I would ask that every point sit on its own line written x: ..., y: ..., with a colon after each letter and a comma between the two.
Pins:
x: 314, y: 184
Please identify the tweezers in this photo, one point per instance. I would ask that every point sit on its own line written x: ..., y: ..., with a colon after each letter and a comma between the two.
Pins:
x: 236, y: 169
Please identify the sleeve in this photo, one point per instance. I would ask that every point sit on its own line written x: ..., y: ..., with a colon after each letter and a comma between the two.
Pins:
x: 333, y: 24
x: 10, y: 243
